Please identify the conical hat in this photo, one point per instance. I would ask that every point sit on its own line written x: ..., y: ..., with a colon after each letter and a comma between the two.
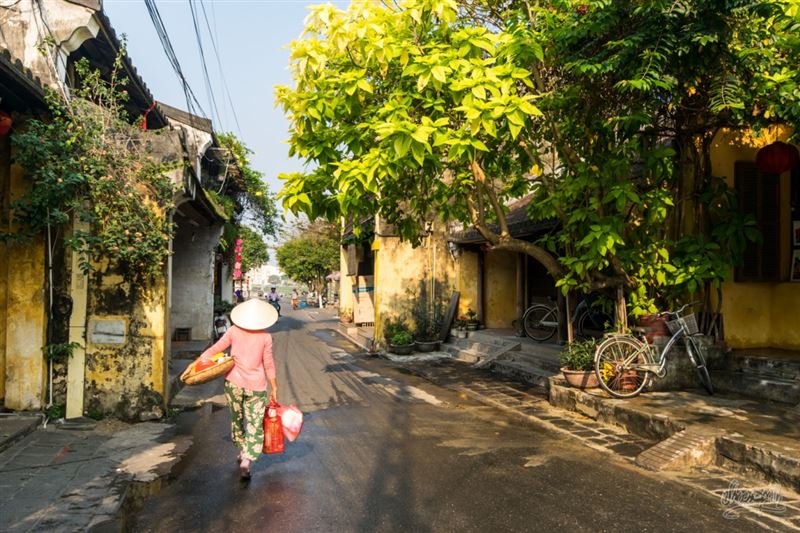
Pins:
x: 254, y: 314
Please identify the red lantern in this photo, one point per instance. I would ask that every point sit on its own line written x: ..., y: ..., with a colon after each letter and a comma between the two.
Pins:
x: 5, y: 123
x: 777, y: 158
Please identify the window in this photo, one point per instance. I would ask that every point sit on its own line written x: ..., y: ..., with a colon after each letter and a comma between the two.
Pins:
x: 759, y: 194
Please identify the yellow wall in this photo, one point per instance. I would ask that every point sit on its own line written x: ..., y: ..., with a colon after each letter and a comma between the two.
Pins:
x: 500, y: 291
x: 23, y: 327
x: 467, y: 275
x: 403, y: 272
x: 126, y: 379
x: 758, y: 314
x: 345, y: 284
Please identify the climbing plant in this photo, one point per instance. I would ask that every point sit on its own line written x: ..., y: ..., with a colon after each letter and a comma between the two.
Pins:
x: 89, y: 163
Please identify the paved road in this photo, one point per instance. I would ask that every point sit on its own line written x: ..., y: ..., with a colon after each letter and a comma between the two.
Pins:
x: 385, y: 451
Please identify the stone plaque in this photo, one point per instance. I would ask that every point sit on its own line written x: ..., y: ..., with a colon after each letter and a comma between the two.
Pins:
x: 108, y: 331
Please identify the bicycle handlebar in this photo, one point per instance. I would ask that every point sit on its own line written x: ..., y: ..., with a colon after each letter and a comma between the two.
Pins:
x: 679, y: 311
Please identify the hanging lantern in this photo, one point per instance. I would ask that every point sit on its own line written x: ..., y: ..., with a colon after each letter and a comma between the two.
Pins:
x: 5, y: 123
x: 777, y: 158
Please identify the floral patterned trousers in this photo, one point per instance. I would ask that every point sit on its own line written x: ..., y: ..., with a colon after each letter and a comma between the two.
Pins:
x: 247, y: 419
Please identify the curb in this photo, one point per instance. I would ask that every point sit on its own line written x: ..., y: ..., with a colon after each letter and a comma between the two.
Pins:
x: 18, y: 435
x: 729, y: 451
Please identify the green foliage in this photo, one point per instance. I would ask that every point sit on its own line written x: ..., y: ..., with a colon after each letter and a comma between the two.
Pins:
x: 59, y: 352
x: 604, y: 115
x: 579, y: 355
x: 309, y: 258
x: 56, y: 411
x: 254, y: 249
x: 90, y: 163
x: 401, y: 338
x: 393, y: 326
x: 257, y: 204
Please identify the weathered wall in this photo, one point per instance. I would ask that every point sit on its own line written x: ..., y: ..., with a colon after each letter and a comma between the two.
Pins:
x: 25, y: 317
x: 404, y: 274
x: 467, y: 276
x: 500, y: 293
x: 346, y: 302
x: 25, y: 27
x: 125, y: 375
x: 5, y: 182
x: 193, y: 279
x: 758, y: 314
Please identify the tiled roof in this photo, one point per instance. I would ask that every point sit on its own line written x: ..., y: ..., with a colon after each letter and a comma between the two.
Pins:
x: 519, y: 225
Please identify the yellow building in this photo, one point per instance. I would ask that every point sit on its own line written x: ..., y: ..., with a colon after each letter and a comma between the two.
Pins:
x: 761, y: 302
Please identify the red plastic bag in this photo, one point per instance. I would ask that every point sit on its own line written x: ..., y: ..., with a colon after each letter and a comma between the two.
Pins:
x: 273, y: 430
x: 292, y: 421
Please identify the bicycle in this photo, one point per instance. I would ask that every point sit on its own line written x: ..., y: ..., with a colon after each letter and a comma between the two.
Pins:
x: 540, y: 321
x: 624, y: 364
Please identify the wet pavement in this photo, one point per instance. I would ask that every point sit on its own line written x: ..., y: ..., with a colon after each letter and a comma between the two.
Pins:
x: 384, y: 450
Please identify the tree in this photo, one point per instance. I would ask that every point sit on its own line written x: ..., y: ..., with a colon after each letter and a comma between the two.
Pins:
x: 254, y: 249
x: 309, y: 258
x: 435, y: 109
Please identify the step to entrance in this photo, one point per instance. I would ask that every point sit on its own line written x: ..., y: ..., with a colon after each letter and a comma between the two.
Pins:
x: 525, y: 373
x: 694, y: 446
x: 757, y: 385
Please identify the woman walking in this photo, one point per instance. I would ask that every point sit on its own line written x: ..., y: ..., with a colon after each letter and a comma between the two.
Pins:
x: 246, y: 383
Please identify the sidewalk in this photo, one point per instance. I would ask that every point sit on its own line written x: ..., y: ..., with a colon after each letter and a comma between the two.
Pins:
x: 57, y: 479
x: 77, y: 476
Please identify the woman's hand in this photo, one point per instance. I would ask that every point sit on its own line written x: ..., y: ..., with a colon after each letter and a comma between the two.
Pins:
x: 273, y: 392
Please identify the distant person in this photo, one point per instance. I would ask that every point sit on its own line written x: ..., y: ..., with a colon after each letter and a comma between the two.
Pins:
x: 239, y: 297
x: 246, y: 383
x: 295, y: 297
x: 274, y: 298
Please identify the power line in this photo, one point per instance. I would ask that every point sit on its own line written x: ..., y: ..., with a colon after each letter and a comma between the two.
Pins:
x: 192, y: 103
x: 209, y: 91
x: 219, y: 65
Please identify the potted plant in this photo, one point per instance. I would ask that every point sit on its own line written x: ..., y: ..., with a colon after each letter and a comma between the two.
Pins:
x: 577, y: 364
x: 460, y: 325
x: 472, y: 320
x: 401, y: 343
x: 426, y: 337
x: 398, y: 336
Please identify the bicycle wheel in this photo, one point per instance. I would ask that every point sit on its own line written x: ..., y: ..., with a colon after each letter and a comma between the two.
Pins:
x: 618, y: 363
x: 540, y: 322
x: 592, y: 325
x: 699, y: 362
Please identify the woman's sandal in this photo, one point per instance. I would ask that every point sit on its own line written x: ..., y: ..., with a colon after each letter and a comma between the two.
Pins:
x: 244, y: 470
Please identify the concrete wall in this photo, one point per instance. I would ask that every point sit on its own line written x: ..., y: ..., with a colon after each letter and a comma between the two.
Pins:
x: 403, y: 273
x: 22, y: 301
x: 193, y: 279
x: 125, y: 349
x: 758, y: 314
x: 467, y: 277
x: 346, y: 299
x: 25, y: 27
x: 500, y: 292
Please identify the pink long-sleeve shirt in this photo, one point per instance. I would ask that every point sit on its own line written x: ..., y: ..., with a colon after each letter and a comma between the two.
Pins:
x: 252, y: 357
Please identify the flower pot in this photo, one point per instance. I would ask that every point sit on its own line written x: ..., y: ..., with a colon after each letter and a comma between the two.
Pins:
x: 654, y: 326
x: 427, y: 346
x: 581, y: 379
x: 401, y: 349
x: 629, y: 380
x: 461, y: 334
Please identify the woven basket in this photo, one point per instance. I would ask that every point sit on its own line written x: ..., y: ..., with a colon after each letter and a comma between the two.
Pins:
x: 190, y: 377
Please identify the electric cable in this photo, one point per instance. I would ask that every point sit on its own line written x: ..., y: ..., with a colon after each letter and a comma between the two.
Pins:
x: 207, y: 79
x: 219, y: 65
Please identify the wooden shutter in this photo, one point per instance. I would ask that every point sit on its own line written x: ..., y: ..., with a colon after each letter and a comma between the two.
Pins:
x: 759, y: 195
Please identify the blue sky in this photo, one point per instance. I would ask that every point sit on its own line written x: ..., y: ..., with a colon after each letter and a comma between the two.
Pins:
x: 251, y: 37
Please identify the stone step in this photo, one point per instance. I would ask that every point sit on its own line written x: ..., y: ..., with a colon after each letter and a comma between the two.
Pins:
x: 463, y: 354
x: 759, y: 365
x: 486, y: 339
x: 763, y: 386
x: 546, y: 362
x: 694, y: 446
x: 526, y: 373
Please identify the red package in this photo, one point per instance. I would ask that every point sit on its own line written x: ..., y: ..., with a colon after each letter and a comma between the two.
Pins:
x: 273, y: 430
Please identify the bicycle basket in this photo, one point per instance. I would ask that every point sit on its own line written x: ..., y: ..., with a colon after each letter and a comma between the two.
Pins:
x: 689, y: 323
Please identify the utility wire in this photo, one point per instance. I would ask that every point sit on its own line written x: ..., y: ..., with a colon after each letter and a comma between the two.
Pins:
x: 209, y: 91
x: 219, y: 65
x: 192, y: 102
